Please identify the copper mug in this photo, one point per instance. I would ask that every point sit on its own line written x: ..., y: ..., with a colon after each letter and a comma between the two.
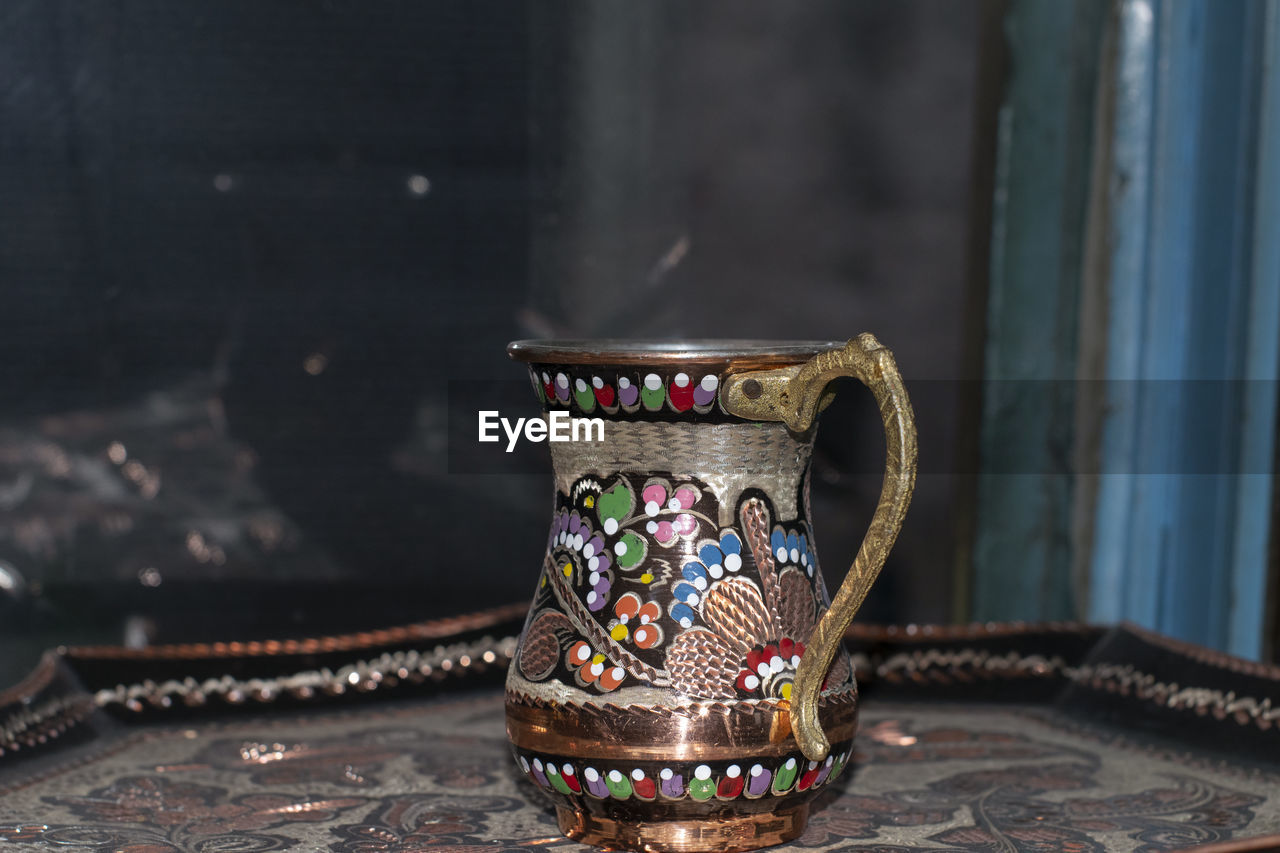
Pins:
x: 680, y: 683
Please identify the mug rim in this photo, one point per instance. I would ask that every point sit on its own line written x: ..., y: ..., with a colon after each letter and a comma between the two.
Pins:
x: 655, y: 350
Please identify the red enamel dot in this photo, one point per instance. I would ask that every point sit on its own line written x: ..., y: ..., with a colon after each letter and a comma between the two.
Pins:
x: 729, y: 787
x: 681, y: 398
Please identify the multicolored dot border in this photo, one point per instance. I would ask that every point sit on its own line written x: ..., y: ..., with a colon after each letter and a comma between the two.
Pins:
x: 700, y: 782
x: 613, y: 391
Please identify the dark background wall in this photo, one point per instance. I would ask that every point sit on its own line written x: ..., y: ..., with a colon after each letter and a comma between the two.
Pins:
x: 245, y: 247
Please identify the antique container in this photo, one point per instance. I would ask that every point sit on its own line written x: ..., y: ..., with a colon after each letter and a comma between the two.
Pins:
x: 680, y: 683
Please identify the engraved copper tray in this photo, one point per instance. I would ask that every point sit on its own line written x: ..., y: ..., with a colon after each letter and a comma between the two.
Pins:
x: 995, y: 737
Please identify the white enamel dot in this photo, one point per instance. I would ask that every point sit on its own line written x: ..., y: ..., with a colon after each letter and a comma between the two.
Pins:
x: 795, y: 555
x: 593, y: 564
x: 812, y: 764
x: 537, y: 764
x: 691, y: 599
x: 592, y: 774
x: 702, y: 772
x: 751, y: 682
x: 732, y: 562
x: 591, y: 597
x: 733, y: 772
x: 624, y: 382
x: 637, y: 774
x: 589, y: 550
x: 804, y: 559
x: 666, y: 774
x: 624, y: 618
x: 756, y: 769
x: 763, y: 669
x: 593, y: 578
x: 686, y: 622
x: 674, y: 503
x: 552, y: 771
x: 791, y: 764
x: 597, y: 382
x: 597, y: 669
x: 652, y: 527
x: 653, y: 382
x: 777, y: 664
x: 562, y: 380
x: 546, y: 380
x: 700, y: 583
x: 617, y: 673
x: 682, y: 380
x: 524, y: 765
x: 781, y: 555
x: 580, y: 385
x: 795, y: 660
x: 611, y: 526
x: 583, y: 655
x: 577, y: 542
x: 709, y: 382
x: 615, y: 777
x: 620, y: 548
x: 715, y: 571
x: 651, y: 508
x: 567, y: 769
x: 827, y: 763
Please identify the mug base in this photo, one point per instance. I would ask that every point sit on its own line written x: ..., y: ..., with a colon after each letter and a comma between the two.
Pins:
x: 723, y: 834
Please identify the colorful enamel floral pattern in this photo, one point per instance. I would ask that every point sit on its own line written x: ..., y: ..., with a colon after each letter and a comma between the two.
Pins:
x: 673, y: 781
x: 641, y: 587
x: 619, y: 391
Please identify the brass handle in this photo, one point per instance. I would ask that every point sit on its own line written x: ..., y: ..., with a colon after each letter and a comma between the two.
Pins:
x: 794, y: 396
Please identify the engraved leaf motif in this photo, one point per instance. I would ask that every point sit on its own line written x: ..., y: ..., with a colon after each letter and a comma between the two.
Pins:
x: 796, y: 607
x: 703, y: 665
x: 540, y: 650
x: 734, y: 609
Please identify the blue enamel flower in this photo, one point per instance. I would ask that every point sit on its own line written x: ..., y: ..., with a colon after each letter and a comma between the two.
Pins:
x: 791, y: 549
x: 714, y: 560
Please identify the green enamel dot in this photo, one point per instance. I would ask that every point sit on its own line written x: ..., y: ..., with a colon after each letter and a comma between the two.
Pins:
x: 557, y: 781
x: 614, y: 504
x: 618, y: 784
x: 836, y: 767
x: 629, y: 550
x: 653, y: 393
x: 586, y: 399
x: 786, y: 776
x: 702, y: 788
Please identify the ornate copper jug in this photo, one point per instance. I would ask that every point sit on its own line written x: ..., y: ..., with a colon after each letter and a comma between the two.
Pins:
x: 680, y: 683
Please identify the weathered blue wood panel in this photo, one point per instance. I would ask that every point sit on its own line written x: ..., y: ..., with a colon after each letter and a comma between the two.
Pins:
x: 1181, y: 520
